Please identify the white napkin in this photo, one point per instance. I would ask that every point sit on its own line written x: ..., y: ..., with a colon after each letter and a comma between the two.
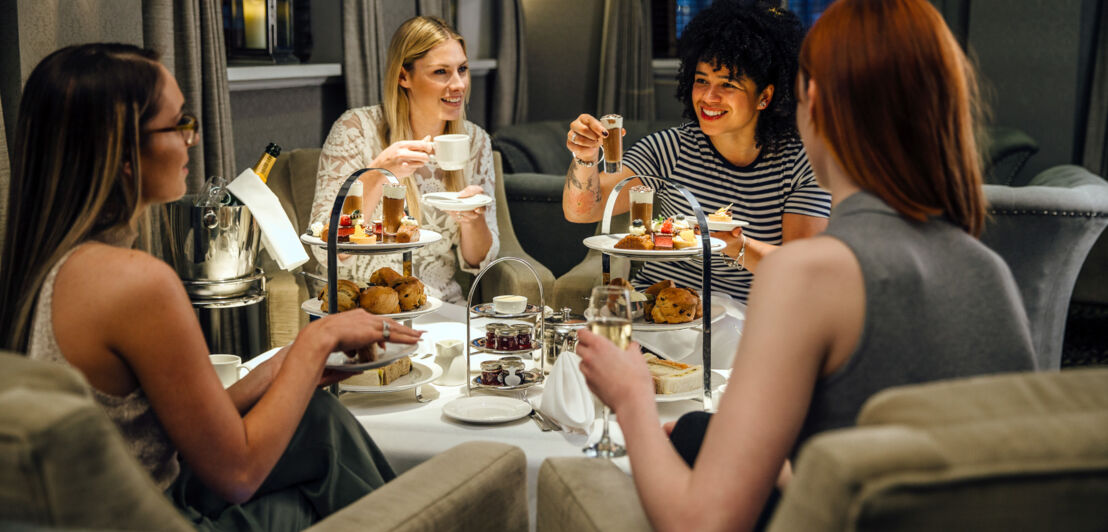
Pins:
x: 566, y: 397
x: 278, y: 236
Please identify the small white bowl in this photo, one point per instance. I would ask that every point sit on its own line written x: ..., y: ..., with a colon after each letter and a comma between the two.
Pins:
x: 509, y: 304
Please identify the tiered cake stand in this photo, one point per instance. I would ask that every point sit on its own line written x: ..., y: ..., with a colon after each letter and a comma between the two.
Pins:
x: 704, y: 255
x: 531, y: 315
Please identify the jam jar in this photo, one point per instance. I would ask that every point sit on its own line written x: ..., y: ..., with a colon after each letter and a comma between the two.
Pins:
x: 523, y: 336
x: 511, y: 372
x: 490, y: 335
x: 506, y: 339
x: 490, y: 373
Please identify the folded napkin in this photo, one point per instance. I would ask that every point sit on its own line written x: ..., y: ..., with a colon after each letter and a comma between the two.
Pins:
x: 278, y: 236
x: 566, y: 397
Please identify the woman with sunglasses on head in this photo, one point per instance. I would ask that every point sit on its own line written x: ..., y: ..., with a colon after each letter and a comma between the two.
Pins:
x: 897, y: 291
x: 102, y: 135
x: 425, y: 87
x: 741, y: 149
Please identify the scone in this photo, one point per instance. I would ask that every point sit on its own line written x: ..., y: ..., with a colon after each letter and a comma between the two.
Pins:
x: 384, y: 277
x: 380, y: 300
x: 652, y: 293
x: 674, y: 305
x: 410, y: 291
x: 635, y: 242
x: 348, y: 294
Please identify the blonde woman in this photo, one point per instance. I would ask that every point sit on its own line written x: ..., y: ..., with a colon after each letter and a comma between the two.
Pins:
x: 425, y: 90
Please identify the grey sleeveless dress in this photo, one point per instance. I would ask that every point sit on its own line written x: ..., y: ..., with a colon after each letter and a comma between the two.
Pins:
x: 939, y: 305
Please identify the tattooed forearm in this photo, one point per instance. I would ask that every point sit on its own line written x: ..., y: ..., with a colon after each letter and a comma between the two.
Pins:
x: 589, y: 185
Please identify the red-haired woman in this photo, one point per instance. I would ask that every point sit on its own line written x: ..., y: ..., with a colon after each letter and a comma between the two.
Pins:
x: 898, y: 290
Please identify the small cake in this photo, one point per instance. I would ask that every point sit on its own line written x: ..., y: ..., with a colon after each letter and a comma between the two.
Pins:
x: 408, y: 231
x: 663, y: 235
x: 680, y: 223
x: 346, y: 228
x: 721, y: 215
x: 360, y: 236
x: 635, y: 242
x: 316, y: 229
x: 684, y: 239
x: 638, y: 228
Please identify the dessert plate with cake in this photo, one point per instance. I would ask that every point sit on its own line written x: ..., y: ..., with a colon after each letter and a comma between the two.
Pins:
x: 425, y: 236
x: 722, y: 220
x: 372, y: 358
x: 641, y: 250
x: 403, y: 374
x: 449, y: 201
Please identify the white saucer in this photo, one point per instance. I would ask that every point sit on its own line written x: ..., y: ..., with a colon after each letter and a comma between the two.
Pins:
x: 486, y: 409
x: 449, y: 201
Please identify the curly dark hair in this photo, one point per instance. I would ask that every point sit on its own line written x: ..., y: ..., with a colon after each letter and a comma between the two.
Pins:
x: 752, y: 38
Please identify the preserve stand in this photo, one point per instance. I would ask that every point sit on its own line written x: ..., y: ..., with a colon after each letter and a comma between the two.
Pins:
x: 528, y: 316
x: 706, y: 268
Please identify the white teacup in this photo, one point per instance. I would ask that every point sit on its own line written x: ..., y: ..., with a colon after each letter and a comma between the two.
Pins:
x: 448, y: 356
x: 451, y: 151
x: 229, y: 368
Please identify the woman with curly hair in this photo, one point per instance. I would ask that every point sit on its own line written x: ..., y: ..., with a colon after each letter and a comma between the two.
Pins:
x: 738, y: 62
x: 896, y: 291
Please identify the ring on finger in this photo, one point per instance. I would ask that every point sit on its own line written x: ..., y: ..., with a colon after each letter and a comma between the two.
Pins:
x: 385, y: 330
x: 573, y: 137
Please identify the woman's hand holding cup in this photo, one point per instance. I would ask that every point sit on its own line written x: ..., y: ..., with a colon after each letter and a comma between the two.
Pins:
x: 404, y: 157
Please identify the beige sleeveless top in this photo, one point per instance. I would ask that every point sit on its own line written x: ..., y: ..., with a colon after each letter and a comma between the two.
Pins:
x: 144, y: 434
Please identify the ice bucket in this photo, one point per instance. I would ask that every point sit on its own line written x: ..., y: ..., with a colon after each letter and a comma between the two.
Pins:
x: 210, y: 243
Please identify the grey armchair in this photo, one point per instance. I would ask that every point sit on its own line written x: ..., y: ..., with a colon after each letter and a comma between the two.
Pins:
x: 64, y: 465
x: 1044, y: 232
x: 1025, y: 451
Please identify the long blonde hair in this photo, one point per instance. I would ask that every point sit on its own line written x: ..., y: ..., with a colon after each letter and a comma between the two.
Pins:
x: 412, y: 40
x: 79, y: 125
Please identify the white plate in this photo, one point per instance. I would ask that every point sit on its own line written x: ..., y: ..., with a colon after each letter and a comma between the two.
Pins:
x: 640, y: 324
x: 425, y: 237
x: 717, y: 382
x: 486, y: 409
x: 607, y: 243
x: 449, y: 201
x: 338, y: 360
x: 722, y: 226
x: 420, y: 375
x: 314, y: 307
x: 486, y: 309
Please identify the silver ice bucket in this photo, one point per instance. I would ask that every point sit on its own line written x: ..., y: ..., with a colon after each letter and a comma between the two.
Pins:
x: 211, y: 243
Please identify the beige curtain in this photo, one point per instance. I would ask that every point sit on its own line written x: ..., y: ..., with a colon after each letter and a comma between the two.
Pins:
x: 1096, y: 132
x: 626, y: 76
x: 509, y: 90
x: 189, y: 35
x: 367, y: 27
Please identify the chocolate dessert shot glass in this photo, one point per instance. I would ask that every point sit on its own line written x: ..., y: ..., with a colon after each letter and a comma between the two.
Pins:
x: 642, y: 205
x: 392, y: 209
x: 613, y: 143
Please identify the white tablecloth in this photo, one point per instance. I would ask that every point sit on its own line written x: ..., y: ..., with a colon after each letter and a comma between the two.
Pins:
x: 409, y: 432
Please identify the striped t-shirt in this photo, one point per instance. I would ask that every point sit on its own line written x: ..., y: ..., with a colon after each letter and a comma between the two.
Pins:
x: 778, y: 181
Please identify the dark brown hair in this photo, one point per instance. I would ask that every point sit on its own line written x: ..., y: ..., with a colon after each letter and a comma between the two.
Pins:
x: 79, y: 122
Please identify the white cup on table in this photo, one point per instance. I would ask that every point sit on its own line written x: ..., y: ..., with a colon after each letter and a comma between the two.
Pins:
x: 451, y: 151
x: 229, y: 368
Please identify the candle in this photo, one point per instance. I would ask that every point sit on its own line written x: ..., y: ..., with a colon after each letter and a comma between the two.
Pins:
x: 254, y: 23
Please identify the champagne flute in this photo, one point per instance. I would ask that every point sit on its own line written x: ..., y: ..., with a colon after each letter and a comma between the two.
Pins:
x: 609, y: 316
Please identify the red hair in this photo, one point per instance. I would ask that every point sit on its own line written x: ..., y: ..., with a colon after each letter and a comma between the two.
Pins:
x: 896, y: 101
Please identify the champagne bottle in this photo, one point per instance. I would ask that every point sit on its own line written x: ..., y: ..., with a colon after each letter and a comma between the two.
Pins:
x: 262, y: 168
x: 265, y: 163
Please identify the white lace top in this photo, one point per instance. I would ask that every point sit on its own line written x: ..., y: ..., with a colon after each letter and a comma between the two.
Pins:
x: 353, y: 144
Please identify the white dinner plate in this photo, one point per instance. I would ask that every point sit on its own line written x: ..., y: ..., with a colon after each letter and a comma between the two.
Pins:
x: 314, y: 307
x: 486, y: 409
x: 717, y: 386
x: 488, y: 310
x: 449, y: 201
x: 338, y: 360
x: 420, y: 374
x: 607, y: 244
x: 426, y: 237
